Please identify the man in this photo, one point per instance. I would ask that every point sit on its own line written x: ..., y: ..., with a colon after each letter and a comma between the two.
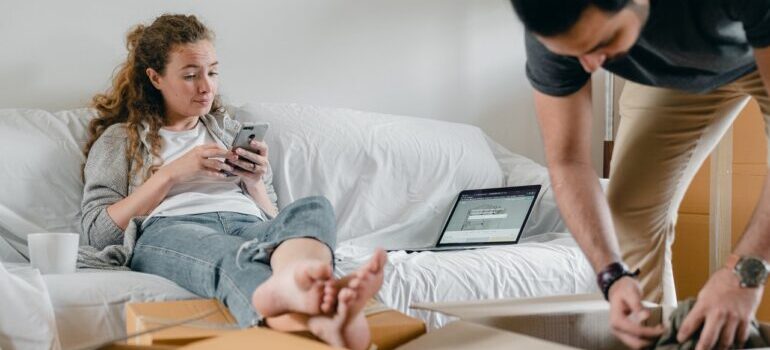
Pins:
x: 684, y: 61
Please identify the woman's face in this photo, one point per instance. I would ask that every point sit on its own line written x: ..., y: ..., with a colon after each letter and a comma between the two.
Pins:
x: 189, y: 82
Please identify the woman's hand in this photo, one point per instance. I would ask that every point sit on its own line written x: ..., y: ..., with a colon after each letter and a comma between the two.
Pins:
x: 198, y: 161
x: 250, y: 166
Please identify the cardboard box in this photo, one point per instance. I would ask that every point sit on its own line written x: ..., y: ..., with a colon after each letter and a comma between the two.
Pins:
x: 212, y: 319
x: 389, y: 328
x: 258, y: 338
x: 549, y: 323
x: 121, y: 346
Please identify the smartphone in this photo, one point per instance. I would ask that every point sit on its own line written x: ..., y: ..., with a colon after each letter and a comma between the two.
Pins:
x: 249, y: 132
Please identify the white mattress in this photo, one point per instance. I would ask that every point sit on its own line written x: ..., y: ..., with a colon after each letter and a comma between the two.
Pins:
x: 543, y: 265
x: 89, y: 305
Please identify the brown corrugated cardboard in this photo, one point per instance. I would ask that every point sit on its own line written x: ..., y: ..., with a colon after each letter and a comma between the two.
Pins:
x: 389, y: 328
x: 561, y: 322
x: 120, y: 346
x: 145, y: 316
x: 258, y: 338
x: 575, y: 320
x: 462, y: 335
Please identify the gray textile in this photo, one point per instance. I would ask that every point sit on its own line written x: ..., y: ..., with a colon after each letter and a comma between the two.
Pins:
x: 668, y: 340
x: 107, y: 182
x: 111, y: 257
x: 695, y: 46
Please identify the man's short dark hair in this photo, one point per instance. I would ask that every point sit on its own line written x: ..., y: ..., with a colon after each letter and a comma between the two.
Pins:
x: 554, y: 17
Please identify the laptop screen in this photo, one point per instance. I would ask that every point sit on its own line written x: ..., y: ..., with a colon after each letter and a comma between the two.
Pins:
x: 489, y: 216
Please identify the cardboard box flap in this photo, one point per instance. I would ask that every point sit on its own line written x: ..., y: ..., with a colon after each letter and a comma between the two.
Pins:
x: 466, y: 335
x: 211, y: 319
x: 520, y: 306
x: 576, y: 320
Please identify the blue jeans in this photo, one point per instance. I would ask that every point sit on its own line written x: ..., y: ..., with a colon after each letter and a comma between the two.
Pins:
x: 226, y: 255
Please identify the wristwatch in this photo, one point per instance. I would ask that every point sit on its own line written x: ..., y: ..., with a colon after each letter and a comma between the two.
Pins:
x: 751, y: 270
x: 610, y: 274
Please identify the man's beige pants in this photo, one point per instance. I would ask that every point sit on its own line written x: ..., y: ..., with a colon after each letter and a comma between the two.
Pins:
x: 663, y: 138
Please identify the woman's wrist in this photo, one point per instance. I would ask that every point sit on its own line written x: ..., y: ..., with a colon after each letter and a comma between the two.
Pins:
x: 165, y: 176
x: 255, y: 188
x: 258, y: 192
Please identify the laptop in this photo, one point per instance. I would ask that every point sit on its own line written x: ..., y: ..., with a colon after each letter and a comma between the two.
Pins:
x: 486, y: 217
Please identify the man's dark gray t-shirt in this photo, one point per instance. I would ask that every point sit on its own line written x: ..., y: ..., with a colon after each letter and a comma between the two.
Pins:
x: 690, y: 45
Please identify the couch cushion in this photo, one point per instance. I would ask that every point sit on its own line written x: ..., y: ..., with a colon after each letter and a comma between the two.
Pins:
x: 521, y: 171
x: 40, y: 172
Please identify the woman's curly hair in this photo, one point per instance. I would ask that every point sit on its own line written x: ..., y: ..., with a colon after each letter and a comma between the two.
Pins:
x: 133, y: 99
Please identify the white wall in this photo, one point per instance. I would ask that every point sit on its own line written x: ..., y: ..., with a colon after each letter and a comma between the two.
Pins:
x: 456, y: 60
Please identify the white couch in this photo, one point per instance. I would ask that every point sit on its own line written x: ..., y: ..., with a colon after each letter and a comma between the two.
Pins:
x: 391, y: 180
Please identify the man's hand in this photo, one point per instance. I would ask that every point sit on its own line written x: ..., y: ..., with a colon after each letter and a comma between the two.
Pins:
x: 725, y: 308
x: 627, y: 314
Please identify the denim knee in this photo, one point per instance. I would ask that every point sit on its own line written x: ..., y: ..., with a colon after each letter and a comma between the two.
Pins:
x: 310, y: 217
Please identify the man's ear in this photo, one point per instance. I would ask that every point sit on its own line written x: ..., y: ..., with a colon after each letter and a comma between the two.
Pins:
x: 154, y: 77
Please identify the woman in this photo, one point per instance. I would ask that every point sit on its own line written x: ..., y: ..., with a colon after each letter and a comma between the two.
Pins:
x: 157, y: 156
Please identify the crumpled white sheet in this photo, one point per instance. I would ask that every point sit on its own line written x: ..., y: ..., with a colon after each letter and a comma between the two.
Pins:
x: 26, y: 314
x: 90, y: 305
x: 543, y: 265
x: 391, y: 179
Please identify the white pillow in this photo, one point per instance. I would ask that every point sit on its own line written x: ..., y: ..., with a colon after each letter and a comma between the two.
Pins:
x: 40, y: 171
x: 391, y: 179
x: 521, y: 171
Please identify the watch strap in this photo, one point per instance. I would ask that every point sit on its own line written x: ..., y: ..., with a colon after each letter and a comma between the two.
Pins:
x: 611, y: 274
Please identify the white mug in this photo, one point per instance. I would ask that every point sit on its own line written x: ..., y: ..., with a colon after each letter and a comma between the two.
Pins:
x: 53, y: 252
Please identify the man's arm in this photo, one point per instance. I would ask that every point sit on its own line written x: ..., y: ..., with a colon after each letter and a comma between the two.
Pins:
x: 565, y: 123
x: 723, y: 307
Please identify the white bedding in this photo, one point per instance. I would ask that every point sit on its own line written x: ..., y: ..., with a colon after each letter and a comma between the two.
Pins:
x: 89, y: 305
x: 548, y: 264
x: 391, y: 179
x: 26, y: 315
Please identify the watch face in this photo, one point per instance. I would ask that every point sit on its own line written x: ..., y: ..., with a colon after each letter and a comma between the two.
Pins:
x: 752, y: 272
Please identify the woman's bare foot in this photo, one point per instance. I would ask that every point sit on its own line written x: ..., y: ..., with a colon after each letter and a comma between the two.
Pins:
x: 303, y: 287
x: 348, y: 327
x: 367, y: 280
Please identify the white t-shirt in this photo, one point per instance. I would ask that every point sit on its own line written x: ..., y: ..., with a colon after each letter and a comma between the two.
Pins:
x: 201, y: 194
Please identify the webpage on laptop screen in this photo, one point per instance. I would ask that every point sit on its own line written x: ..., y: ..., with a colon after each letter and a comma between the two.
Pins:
x: 488, y: 218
